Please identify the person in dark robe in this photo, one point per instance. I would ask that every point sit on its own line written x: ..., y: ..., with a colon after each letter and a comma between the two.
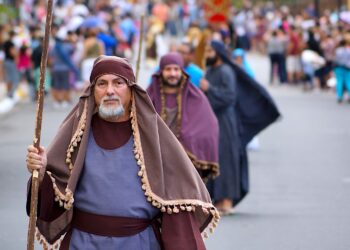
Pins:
x: 115, y: 176
x: 243, y: 108
x: 187, y: 112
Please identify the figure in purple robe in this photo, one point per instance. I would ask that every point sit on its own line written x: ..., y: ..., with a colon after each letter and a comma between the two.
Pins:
x: 187, y: 112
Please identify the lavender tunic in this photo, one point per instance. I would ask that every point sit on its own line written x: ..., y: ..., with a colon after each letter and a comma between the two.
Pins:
x: 109, y: 185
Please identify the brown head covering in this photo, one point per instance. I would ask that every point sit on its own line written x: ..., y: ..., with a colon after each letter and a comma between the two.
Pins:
x: 167, y: 176
x: 112, y: 65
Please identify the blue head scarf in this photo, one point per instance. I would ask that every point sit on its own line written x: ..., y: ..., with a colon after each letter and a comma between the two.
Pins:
x: 241, y: 53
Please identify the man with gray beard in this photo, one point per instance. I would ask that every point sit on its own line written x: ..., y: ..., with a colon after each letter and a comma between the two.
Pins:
x: 106, y: 112
x: 115, y: 177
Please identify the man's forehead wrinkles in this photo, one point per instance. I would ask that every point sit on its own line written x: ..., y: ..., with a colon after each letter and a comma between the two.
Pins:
x: 115, y: 78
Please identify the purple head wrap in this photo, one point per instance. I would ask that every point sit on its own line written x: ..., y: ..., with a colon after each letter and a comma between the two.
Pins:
x: 171, y: 58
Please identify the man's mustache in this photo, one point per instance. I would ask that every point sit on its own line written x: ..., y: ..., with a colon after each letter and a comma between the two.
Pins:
x: 110, y: 98
x: 173, y: 78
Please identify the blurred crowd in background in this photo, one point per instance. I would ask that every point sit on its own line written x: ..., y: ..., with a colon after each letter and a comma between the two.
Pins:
x: 306, y: 48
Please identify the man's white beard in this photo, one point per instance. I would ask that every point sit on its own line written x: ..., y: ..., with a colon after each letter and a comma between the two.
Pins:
x: 111, y: 112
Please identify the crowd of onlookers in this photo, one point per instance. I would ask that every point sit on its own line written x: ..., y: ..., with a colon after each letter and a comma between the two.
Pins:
x: 303, y: 48
x: 78, y: 36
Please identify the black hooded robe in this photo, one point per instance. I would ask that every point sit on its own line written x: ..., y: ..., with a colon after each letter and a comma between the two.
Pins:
x: 222, y: 94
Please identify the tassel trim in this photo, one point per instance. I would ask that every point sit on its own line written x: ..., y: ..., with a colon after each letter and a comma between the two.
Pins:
x: 211, y: 167
x: 66, y: 199
x: 76, y: 138
x: 173, y: 206
x: 46, y: 245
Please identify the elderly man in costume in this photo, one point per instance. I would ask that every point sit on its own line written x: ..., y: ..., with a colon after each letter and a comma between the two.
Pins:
x: 115, y: 176
x: 187, y: 112
x: 243, y: 108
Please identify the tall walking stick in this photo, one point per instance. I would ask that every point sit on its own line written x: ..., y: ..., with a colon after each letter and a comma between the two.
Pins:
x: 40, y: 103
x: 138, y: 62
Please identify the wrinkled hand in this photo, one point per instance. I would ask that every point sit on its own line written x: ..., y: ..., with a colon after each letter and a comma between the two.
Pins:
x: 204, y: 84
x: 36, y: 160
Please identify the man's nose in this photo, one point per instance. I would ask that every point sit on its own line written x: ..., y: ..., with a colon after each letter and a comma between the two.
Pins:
x: 110, y: 89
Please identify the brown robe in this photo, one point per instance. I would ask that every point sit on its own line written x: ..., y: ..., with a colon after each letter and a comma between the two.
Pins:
x: 167, y: 176
x: 177, y: 231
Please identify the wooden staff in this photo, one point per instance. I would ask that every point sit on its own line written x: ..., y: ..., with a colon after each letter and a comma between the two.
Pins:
x: 36, y: 141
x: 138, y: 62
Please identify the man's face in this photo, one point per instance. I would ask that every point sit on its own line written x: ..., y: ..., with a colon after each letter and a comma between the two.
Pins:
x: 172, y: 75
x: 239, y: 60
x: 112, y: 96
x: 185, y: 51
x: 210, y: 56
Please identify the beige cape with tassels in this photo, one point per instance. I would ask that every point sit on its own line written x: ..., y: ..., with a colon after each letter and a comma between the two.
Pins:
x: 167, y: 176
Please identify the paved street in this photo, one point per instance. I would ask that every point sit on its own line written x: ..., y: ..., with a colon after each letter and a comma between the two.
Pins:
x: 300, y: 178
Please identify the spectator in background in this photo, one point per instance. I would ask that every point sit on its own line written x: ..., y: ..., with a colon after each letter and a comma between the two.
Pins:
x: 184, y: 16
x: 74, y: 77
x: 108, y: 40
x: 2, y: 53
x: 36, y: 60
x: 10, y: 67
x: 293, y: 59
x: 24, y: 66
x: 127, y: 32
x: 328, y: 47
x: 39, y: 11
x: 155, y: 45
x: 35, y: 34
x: 161, y: 11
x: 260, y: 32
x: 312, y: 43
x: 195, y: 73
x: 173, y: 17
x: 62, y: 66
x: 311, y: 62
x: 342, y: 69
x: 241, y: 30
x: 276, y: 47
x: 93, y: 48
